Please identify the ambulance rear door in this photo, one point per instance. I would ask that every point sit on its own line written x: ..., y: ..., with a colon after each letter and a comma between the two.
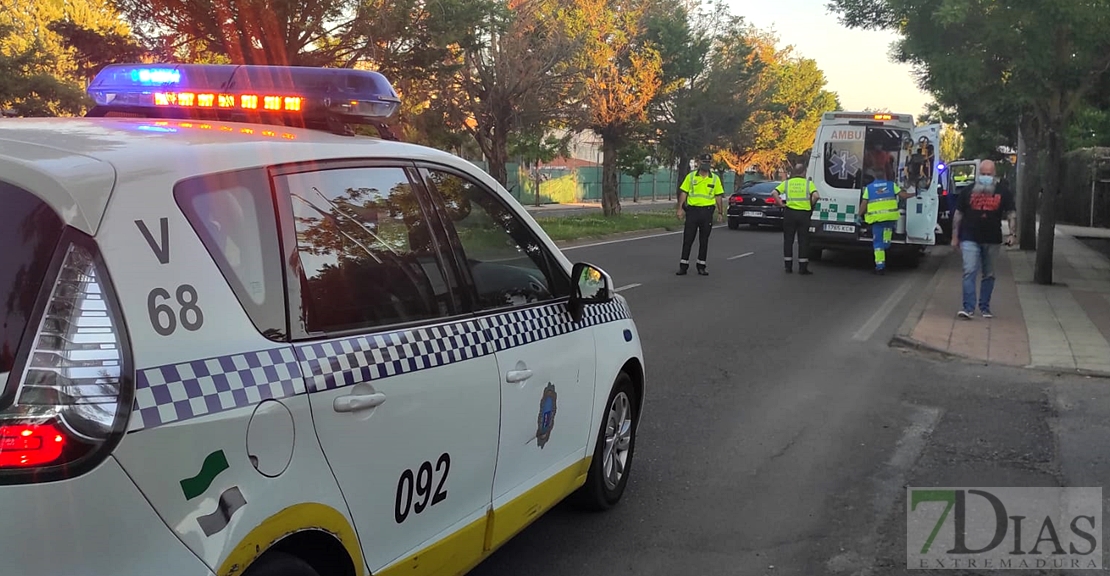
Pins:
x: 922, y: 210
x: 836, y: 169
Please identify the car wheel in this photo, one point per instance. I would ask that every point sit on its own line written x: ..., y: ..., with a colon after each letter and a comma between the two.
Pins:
x: 616, y: 443
x: 733, y: 224
x: 280, y: 564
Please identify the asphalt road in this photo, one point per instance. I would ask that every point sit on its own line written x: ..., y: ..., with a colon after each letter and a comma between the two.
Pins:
x: 781, y: 429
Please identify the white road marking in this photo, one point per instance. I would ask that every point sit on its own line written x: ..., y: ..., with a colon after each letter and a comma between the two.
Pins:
x: 741, y: 255
x: 880, y: 315
x: 888, y: 484
x: 626, y: 240
x: 626, y: 287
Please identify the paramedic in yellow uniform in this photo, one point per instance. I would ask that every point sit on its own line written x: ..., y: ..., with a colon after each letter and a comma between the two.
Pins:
x: 879, y: 208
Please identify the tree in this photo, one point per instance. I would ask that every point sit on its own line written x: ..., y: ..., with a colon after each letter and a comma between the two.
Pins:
x: 635, y: 160
x: 1038, y: 60
x: 622, y: 73
x: 535, y: 147
x: 26, y: 86
x: 93, y: 50
x: 276, y: 32
x: 789, y: 98
x: 41, y: 76
x: 515, y: 78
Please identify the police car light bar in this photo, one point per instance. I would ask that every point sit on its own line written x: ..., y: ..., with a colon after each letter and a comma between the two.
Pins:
x: 288, y: 94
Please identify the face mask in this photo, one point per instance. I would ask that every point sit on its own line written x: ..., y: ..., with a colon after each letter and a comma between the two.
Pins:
x: 705, y: 166
x: 985, y: 180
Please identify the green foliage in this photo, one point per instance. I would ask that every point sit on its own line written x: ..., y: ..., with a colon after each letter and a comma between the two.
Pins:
x: 635, y: 159
x: 711, y: 102
x: 789, y: 99
x: 1034, y: 62
x: 41, y: 71
x: 27, y: 88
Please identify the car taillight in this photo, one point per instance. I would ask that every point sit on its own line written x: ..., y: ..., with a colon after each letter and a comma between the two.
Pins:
x: 736, y: 199
x: 69, y: 398
x: 770, y: 200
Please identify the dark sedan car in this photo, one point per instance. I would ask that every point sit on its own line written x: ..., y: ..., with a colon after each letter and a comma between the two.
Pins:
x: 752, y: 205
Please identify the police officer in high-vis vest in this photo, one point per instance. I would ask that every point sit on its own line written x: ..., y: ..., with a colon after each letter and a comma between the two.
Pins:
x: 700, y: 193
x: 798, y: 196
x: 879, y: 208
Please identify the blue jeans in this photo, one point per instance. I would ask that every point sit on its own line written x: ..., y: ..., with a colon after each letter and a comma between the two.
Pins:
x: 978, y: 257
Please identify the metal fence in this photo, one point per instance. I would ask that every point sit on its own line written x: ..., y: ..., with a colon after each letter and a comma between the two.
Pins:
x: 572, y: 185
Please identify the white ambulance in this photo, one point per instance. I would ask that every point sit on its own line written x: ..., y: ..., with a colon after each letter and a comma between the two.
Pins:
x: 852, y: 149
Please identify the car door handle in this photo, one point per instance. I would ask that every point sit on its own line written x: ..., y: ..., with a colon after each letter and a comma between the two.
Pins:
x: 517, y: 376
x: 356, y: 402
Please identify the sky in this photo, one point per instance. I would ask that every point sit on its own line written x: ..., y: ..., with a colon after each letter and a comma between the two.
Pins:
x: 851, y: 59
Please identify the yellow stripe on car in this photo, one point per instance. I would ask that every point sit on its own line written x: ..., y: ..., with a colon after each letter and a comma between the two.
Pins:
x: 296, y: 518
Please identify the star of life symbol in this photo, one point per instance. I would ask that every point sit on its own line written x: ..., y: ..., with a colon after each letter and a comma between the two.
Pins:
x: 845, y: 164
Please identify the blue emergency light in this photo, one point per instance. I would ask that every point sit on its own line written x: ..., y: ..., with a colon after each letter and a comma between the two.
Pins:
x: 296, y: 95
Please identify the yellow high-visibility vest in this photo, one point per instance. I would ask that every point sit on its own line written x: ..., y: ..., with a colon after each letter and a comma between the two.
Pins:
x: 702, y: 190
x: 796, y: 192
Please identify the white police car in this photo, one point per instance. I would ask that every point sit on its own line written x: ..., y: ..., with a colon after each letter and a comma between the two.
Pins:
x: 230, y: 346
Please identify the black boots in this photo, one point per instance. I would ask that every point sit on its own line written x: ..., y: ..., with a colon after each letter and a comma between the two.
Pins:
x: 682, y: 268
x: 789, y: 266
x: 702, y: 271
x: 803, y: 269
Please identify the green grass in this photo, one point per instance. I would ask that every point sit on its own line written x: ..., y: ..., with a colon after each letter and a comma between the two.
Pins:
x: 594, y: 225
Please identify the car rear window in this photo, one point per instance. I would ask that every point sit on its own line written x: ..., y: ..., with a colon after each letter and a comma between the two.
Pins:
x: 233, y: 213
x: 29, y: 233
x: 761, y: 189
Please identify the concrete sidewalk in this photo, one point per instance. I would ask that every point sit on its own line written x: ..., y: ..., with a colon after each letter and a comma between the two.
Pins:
x: 1063, y: 327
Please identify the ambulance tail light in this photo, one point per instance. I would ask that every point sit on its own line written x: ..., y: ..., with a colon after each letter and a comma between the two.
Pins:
x: 68, y: 399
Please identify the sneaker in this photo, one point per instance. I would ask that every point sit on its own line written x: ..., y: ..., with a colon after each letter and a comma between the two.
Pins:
x: 987, y: 314
x: 965, y: 314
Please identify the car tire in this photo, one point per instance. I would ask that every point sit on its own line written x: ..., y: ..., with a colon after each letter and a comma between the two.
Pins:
x: 280, y: 564
x: 598, y: 493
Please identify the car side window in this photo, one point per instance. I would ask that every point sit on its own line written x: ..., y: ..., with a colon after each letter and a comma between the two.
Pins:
x: 366, y: 250
x: 508, y: 264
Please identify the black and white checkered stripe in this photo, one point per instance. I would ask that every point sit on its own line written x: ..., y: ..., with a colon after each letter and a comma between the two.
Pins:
x: 178, y: 392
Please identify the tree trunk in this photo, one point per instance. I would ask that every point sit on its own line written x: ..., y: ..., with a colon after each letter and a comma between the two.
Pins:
x: 499, y: 154
x: 680, y: 174
x: 498, y: 159
x: 610, y: 185
x: 654, y: 181
x: 636, y: 189
x: 1028, y: 183
x: 1053, y: 180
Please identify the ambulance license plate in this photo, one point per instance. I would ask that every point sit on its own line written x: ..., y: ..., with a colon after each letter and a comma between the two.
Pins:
x: 754, y: 214
x: 839, y: 228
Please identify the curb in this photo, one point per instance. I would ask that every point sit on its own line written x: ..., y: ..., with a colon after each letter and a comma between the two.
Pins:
x: 907, y: 342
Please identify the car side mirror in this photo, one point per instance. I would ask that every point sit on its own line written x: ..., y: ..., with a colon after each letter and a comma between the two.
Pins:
x: 591, y: 286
